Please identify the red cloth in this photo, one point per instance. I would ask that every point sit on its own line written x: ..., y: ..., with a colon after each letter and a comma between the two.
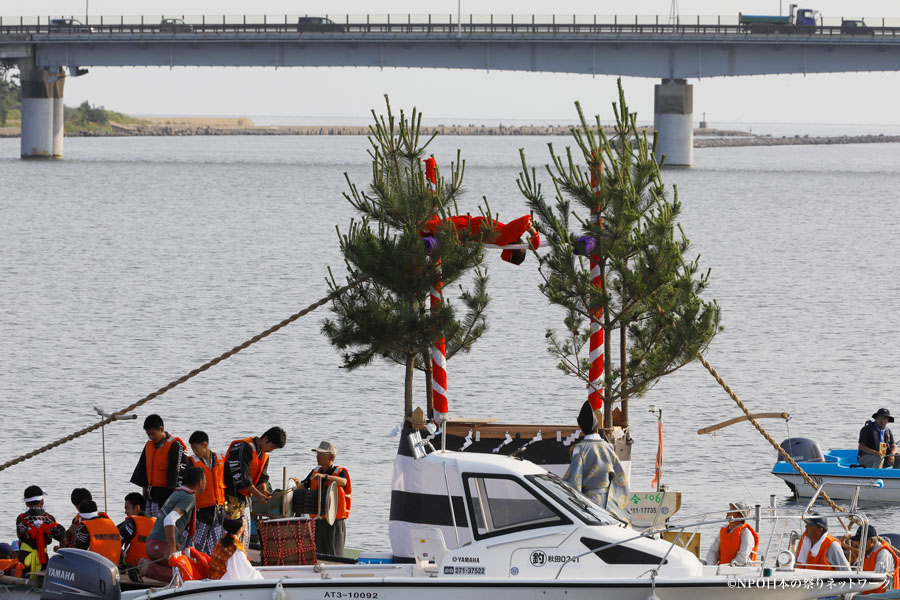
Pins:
x: 38, y: 533
x: 503, y: 234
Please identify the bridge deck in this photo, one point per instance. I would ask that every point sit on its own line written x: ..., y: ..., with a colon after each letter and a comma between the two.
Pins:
x: 635, y: 46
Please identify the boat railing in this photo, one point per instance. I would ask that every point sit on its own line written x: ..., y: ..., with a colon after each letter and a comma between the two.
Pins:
x: 691, y: 524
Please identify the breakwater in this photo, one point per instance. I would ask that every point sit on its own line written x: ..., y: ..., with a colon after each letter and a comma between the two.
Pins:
x: 703, y: 138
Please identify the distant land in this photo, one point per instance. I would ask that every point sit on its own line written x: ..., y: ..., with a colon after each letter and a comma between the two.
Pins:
x: 118, y: 125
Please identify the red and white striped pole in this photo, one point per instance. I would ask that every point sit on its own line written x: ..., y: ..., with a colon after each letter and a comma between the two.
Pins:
x: 439, y: 348
x: 595, y: 393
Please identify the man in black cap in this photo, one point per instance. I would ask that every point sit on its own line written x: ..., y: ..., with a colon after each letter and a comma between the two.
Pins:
x: 819, y: 550
x: 876, y: 443
x: 879, y: 558
x: 595, y: 469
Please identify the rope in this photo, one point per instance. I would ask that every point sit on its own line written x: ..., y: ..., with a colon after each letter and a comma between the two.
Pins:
x: 719, y: 452
x: 770, y: 439
x: 183, y: 378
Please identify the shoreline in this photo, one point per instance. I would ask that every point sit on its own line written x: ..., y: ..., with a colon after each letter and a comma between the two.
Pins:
x: 703, y: 138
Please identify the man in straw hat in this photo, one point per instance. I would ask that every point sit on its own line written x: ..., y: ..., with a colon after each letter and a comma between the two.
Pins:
x: 876, y: 442
x: 330, y: 538
x: 595, y: 469
x: 737, y: 542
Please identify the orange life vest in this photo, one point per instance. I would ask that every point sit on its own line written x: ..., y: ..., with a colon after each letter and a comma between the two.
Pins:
x: 345, y: 494
x: 869, y: 565
x: 11, y: 567
x: 730, y: 543
x: 137, y: 549
x: 817, y: 561
x: 104, y: 537
x: 214, y: 494
x: 257, y: 464
x: 157, y: 460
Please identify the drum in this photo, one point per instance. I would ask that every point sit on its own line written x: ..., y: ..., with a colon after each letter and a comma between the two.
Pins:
x: 290, y: 541
x: 306, y: 502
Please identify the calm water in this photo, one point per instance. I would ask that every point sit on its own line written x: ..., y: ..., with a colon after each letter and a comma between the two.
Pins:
x: 132, y: 261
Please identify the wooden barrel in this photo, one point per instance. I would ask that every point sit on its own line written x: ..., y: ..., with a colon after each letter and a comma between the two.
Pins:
x: 290, y: 541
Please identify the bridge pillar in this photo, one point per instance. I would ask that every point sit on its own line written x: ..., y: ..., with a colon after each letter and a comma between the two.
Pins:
x: 673, y: 109
x: 42, y: 112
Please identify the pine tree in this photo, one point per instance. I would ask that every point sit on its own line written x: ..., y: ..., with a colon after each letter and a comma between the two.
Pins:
x: 388, y: 314
x: 649, y: 292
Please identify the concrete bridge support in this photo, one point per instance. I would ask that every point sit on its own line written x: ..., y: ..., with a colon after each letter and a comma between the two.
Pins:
x: 673, y: 110
x: 42, y: 112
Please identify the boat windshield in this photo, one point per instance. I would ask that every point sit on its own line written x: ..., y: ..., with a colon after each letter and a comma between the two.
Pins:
x: 577, y: 503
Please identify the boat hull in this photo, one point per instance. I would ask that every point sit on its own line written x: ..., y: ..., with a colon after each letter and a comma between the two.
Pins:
x: 838, y: 469
x: 794, y: 585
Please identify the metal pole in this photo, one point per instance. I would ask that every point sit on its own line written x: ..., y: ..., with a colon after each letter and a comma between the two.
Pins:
x: 459, y: 18
x: 86, y: 12
x: 103, y: 435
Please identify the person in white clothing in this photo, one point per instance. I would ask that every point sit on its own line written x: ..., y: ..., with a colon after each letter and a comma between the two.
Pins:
x: 229, y: 558
x: 818, y: 550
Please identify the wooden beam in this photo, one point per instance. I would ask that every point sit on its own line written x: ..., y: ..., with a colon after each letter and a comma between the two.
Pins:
x: 724, y: 424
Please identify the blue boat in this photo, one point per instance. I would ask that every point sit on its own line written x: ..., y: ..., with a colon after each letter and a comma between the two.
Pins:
x: 835, y: 467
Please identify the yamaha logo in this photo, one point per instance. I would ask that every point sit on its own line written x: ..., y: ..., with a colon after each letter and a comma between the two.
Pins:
x: 538, y: 558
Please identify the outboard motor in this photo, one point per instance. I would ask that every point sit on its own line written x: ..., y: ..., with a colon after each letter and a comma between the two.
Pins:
x: 802, y: 450
x: 74, y: 574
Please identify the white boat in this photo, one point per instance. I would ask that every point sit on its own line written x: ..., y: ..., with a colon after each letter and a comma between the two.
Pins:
x: 531, y: 533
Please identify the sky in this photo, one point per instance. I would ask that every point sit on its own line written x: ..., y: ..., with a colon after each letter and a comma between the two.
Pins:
x: 461, y: 96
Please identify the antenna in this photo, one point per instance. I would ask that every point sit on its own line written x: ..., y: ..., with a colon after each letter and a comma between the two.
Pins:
x: 673, y: 13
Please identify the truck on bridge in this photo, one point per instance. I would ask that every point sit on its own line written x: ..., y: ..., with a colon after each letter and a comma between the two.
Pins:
x: 802, y: 20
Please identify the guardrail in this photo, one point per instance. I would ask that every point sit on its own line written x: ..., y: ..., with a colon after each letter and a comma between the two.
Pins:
x: 429, y: 24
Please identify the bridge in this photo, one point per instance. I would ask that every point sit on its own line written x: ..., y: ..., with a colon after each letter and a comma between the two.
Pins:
x: 47, y: 50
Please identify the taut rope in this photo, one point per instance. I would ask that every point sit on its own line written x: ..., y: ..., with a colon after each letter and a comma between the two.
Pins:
x: 184, y: 378
x: 768, y: 437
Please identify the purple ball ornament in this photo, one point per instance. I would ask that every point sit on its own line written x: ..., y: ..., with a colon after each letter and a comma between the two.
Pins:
x: 585, y: 246
x: 431, y: 244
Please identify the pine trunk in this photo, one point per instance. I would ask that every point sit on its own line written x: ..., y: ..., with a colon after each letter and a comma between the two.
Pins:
x: 623, y: 380
x: 408, y: 388
x: 607, y: 362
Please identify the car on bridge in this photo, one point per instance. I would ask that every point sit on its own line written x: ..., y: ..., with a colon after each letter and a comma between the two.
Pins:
x: 855, y: 27
x: 318, y: 24
x: 175, y: 26
x: 69, y: 26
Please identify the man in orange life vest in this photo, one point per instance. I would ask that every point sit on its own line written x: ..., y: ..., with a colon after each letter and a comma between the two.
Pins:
x: 134, y: 530
x: 330, y: 538
x: 245, y: 475
x: 879, y: 558
x: 211, y: 503
x: 177, y: 516
x: 78, y: 496
x: 97, y: 532
x: 818, y: 550
x: 158, y: 471
x: 35, y: 528
x: 737, y: 542
x: 9, y: 562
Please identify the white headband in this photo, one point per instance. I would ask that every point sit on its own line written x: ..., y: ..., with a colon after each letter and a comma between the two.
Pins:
x: 33, y: 499
x: 88, y: 516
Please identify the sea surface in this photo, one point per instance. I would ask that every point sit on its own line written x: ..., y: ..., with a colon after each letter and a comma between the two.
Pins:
x: 134, y: 260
